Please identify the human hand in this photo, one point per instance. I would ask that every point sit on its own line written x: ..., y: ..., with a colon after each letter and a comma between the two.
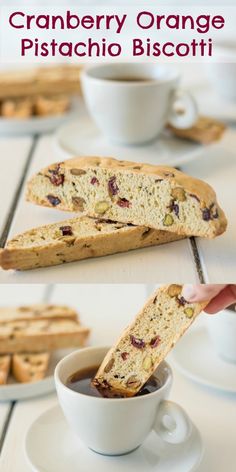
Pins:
x: 220, y: 296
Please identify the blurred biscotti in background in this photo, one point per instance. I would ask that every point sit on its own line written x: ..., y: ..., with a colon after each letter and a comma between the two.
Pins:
x: 29, y: 334
x: 206, y: 130
x: 53, y: 80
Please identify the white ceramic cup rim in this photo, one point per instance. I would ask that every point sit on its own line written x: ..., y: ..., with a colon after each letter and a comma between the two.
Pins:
x: 170, y: 75
x: 68, y: 390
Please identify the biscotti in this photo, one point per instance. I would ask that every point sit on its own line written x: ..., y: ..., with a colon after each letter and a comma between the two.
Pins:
x: 76, y: 239
x: 153, y: 196
x: 41, y: 311
x: 5, y: 363
x: 40, y: 335
x: 30, y: 367
x: 146, y: 342
x: 51, y: 80
x: 206, y: 130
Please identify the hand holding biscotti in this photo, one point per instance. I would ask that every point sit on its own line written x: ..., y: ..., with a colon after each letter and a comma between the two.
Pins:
x: 220, y: 296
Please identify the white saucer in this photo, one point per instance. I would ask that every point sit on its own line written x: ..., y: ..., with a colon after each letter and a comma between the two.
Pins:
x: 196, y: 358
x: 37, y: 125
x: 19, y: 391
x: 52, y: 447
x: 82, y: 138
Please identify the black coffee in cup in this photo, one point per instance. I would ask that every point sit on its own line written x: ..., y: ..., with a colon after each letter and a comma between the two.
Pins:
x: 81, y: 382
x: 134, y: 79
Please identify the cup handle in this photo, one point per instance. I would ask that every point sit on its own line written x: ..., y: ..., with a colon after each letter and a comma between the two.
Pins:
x: 172, y: 424
x: 184, y: 110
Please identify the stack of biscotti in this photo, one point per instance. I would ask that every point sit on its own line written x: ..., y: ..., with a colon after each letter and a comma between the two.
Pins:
x: 122, y: 206
x: 146, y: 342
x: 29, y: 333
x: 48, y: 81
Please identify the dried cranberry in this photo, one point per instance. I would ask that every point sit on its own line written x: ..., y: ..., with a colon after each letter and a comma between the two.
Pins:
x: 155, y: 341
x: 124, y: 355
x: 181, y: 301
x: 206, y: 214
x: 57, y: 179
x: 53, y: 200
x: 123, y: 203
x: 66, y: 230
x: 112, y: 186
x: 194, y: 196
x: 136, y: 342
x: 94, y: 181
x: 174, y: 207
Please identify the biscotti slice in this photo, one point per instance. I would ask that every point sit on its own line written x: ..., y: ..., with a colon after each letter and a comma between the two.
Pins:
x: 142, y: 194
x: 50, y: 80
x: 5, y: 363
x: 41, y: 335
x: 206, y: 130
x: 30, y: 367
x: 76, y: 239
x: 42, y: 311
x: 53, y: 105
x: 146, y: 342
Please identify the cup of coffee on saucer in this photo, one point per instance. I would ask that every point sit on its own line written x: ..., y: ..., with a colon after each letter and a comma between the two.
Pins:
x: 132, y: 103
x: 222, y: 332
x: 117, y: 426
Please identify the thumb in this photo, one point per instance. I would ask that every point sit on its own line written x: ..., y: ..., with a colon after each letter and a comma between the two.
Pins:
x: 201, y: 292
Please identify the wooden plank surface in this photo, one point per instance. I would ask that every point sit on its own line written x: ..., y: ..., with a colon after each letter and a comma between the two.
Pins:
x: 4, y: 410
x: 14, y: 153
x: 163, y: 263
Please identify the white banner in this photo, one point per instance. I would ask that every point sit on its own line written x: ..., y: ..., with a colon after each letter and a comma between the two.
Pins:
x: 101, y: 33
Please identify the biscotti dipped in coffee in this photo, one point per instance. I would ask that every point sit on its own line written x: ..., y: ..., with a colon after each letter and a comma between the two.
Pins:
x: 5, y: 364
x: 146, y: 342
x: 142, y: 194
x: 76, y: 239
x: 30, y: 367
x: 40, y: 311
x: 40, y: 335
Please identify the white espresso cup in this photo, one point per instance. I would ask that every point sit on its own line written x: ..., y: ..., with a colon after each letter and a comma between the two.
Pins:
x: 132, y: 103
x: 119, y: 425
x: 222, y: 331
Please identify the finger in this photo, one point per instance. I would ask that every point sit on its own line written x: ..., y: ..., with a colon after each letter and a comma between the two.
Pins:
x: 225, y: 298
x: 201, y: 292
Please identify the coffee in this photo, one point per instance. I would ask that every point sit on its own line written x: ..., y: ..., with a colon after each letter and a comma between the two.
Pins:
x: 130, y: 79
x: 81, y: 382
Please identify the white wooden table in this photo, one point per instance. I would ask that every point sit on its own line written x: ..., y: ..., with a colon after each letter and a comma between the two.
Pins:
x: 212, y: 412
x: 186, y: 260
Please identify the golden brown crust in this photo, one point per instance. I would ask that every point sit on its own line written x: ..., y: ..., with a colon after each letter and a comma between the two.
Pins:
x: 41, y: 335
x: 42, y: 311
